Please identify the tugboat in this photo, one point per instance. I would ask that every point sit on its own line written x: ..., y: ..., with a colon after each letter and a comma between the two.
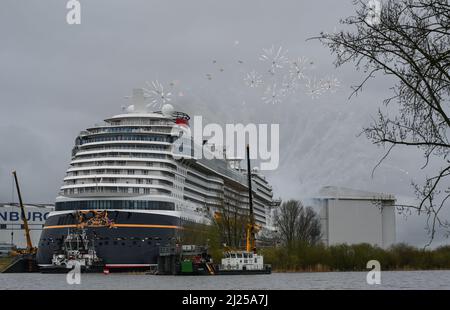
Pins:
x: 77, y: 249
x: 243, y: 262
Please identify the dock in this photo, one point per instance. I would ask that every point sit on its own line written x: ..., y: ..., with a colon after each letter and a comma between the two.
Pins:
x: 18, y: 264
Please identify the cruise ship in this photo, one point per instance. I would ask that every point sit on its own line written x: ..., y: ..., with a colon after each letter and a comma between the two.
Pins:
x: 130, y: 194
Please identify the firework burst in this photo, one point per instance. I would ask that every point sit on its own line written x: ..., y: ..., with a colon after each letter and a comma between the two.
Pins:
x: 314, y: 88
x: 330, y: 83
x: 156, y: 94
x: 253, y: 79
x: 289, y: 85
x: 276, y: 57
x: 298, y: 67
x: 273, y: 95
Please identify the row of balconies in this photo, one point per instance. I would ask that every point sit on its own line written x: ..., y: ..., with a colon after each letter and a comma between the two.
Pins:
x: 89, y: 145
x: 123, y: 154
x: 189, y: 187
x: 126, y: 147
x: 120, y: 159
x: 116, y: 169
x: 137, y: 122
x: 121, y: 137
x: 165, y: 171
x: 208, y: 178
x: 114, y: 191
x: 118, y: 181
x: 119, y: 163
x: 204, y: 185
x: 124, y: 129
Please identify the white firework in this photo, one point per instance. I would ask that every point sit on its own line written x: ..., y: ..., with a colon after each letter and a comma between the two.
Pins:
x: 273, y: 95
x: 289, y: 85
x: 330, y: 83
x: 314, y: 88
x: 156, y: 93
x: 276, y: 57
x: 253, y: 79
x: 298, y: 67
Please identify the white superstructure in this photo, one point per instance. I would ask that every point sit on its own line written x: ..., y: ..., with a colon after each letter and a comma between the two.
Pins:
x: 128, y: 163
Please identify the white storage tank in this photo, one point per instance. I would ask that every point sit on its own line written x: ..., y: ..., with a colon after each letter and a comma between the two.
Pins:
x: 353, y: 216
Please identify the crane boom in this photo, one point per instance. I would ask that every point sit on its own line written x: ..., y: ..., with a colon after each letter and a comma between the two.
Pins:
x: 23, y: 215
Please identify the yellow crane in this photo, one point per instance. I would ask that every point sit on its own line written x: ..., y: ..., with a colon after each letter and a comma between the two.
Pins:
x: 29, y: 249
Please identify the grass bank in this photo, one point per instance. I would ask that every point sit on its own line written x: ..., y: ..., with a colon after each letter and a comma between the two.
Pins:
x: 319, y: 258
x: 4, y: 262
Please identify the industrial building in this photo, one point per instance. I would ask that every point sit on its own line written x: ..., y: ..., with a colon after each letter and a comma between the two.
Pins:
x: 353, y: 216
x: 11, y: 224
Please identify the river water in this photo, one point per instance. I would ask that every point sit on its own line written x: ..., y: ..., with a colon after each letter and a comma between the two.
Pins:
x: 296, y: 281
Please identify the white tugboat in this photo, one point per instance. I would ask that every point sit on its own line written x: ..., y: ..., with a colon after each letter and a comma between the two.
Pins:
x: 77, y: 250
x: 239, y: 262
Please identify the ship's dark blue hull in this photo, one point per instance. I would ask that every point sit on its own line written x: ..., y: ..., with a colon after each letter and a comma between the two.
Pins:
x: 133, y: 239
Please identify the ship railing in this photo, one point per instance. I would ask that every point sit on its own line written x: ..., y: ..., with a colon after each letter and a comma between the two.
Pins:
x: 137, y: 130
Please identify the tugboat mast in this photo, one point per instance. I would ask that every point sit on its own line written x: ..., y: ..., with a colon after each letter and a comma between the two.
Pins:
x: 251, y: 242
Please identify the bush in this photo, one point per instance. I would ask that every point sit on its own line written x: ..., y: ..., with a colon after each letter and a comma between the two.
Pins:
x: 344, y: 257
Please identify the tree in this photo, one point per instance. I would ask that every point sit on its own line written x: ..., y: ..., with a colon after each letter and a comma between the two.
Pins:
x: 231, y: 222
x: 409, y: 41
x: 296, y: 223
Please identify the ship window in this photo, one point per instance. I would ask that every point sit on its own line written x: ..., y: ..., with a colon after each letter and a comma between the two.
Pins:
x: 2, y: 226
x: 115, y: 242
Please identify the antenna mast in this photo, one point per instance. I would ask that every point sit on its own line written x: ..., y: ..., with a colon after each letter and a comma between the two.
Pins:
x: 251, y: 243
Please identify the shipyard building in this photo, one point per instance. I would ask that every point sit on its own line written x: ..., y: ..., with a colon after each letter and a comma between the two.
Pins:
x: 11, y: 225
x: 353, y: 216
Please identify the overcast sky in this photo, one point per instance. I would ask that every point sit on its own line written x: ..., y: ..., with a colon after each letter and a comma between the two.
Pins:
x: 57, y: 79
